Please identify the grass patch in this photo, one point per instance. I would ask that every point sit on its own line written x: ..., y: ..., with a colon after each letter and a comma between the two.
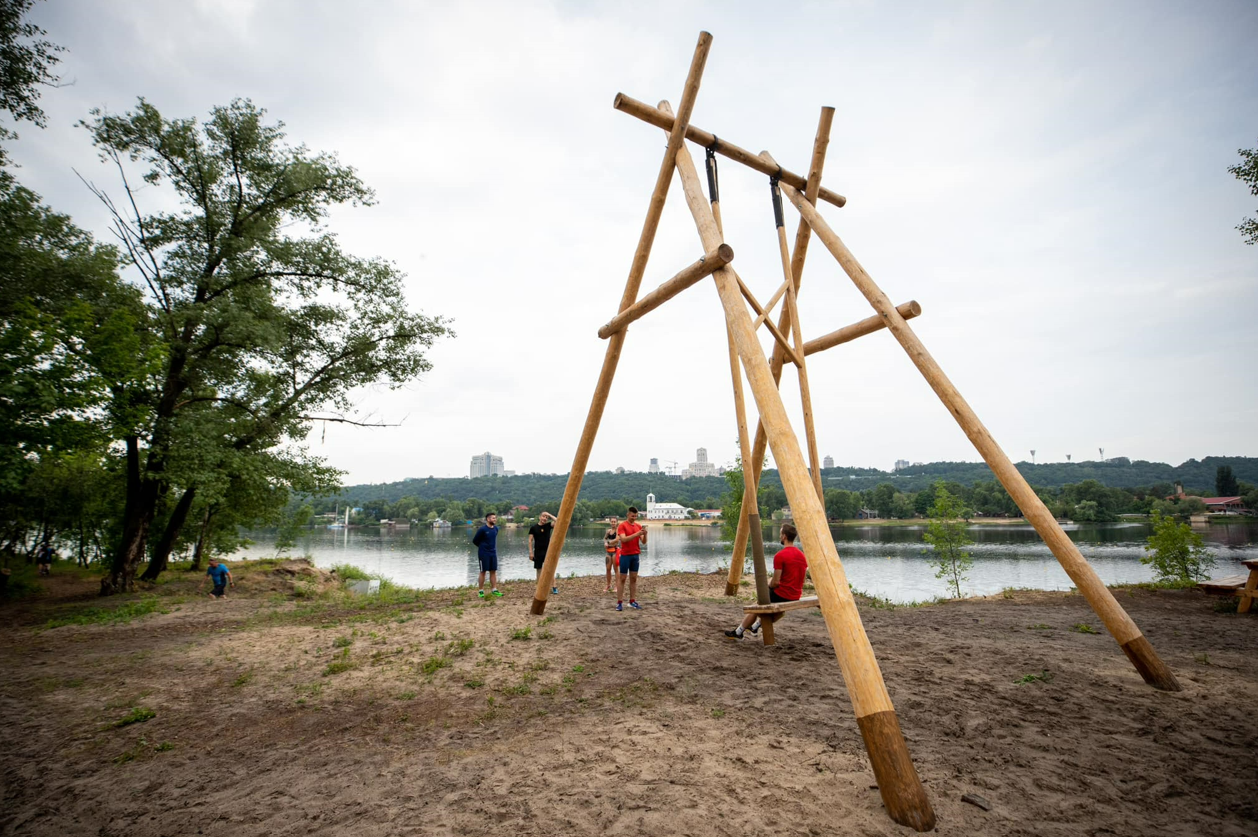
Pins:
x: 137, y: 715
x: 459, y: 647
x: 120, y: 615
x: 718, y: 712
x: 432, y: 665
x: 242, y: 680
x: 406, y: 696
x: 1084, y: 628
x: 342, y: 642
x: 474, y: 683
x: 1042, y: 677
x: 341, y: 664
x: 521, y: 633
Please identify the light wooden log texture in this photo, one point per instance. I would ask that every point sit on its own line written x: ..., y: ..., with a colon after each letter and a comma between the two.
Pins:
x: 782, y: 607
x: 869, y: 325
x: 751, y: 469
x: 1116, y: 620
x: 664, y: 120
x: 773, y: 300
x: 691, y: 275
x: 902, y: 792
x: 805, y: 394
x: 676, y: 143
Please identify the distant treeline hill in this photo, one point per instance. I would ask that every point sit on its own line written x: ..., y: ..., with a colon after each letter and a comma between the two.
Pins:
x: 1197, y: 477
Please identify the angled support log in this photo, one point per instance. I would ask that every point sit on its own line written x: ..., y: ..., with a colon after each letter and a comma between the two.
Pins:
x: 740, y: 404
x: 773, y: 301
x: 901, y: 790
x: 869, y: 325
x: 691, y: 275
x: 1116, y: 620
x: 805, y: 393
x: 751, y: 468
x: 661, y: 119
x: 676, y: 143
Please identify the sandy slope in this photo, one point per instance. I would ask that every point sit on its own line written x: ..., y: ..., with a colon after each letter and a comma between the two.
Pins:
x: 606, y: 723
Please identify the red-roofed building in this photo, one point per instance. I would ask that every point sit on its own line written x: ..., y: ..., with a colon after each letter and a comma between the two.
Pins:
x: 1224, y: 505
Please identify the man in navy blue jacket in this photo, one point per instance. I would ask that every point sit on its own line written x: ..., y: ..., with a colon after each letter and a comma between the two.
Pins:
x: 486, y: 541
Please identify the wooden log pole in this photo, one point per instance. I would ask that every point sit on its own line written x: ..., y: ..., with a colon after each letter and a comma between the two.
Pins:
x: 902, y: 791
x: 805, y: 394
x: 676, y: 143
x: 1102, y: 601
x: 751, y: 470
x: 662, y: 119
x: 869, y: 325
x: 691, y: 275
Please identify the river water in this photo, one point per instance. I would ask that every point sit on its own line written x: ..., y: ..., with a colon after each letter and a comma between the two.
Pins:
x: 887, y: 561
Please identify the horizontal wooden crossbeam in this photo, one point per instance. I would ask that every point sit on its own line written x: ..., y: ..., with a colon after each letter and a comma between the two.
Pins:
x: 706, y: 266
x: 869, y: 325
x: 660, y: 119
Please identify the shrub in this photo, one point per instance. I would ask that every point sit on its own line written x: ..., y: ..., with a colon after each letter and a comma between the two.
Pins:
x: 1176, y: 552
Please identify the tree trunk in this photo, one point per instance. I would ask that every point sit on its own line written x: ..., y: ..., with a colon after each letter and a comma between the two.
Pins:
x: 138, y: 514
x: 161, y: 552
x: 202, y: 541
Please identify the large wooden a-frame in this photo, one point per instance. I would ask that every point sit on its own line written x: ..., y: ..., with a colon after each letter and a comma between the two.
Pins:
x: 901, y: 790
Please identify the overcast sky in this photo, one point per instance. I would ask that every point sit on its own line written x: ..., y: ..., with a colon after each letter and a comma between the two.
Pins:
x: 1049, y: 181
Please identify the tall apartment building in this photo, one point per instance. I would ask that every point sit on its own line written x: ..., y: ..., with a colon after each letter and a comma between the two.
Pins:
x: 654, y: 467
x: 486, y: 465
x: 701, y: 467
x: 827, y: 462
x: 901, y: 464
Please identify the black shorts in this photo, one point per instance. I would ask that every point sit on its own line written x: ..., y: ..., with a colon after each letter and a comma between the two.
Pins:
x: 220, y: 590
x: 775, y: 598
x: 538, y: 561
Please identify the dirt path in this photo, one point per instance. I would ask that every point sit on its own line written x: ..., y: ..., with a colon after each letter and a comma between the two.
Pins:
x: 284, y: 716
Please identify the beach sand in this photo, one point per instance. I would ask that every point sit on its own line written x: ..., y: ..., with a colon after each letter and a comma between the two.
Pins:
x: 450, y: 718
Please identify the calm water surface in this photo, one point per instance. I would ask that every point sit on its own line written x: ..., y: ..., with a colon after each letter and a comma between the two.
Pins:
x: 886, y: 561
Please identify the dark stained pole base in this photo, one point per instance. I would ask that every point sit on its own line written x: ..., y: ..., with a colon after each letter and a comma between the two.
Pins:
x: 902, y: 792
x: 1155, y: 672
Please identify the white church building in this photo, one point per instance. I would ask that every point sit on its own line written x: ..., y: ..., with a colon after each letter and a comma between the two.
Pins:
x: 664, y: 511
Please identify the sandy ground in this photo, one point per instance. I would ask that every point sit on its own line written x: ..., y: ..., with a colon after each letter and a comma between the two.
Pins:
x: 449, y: 718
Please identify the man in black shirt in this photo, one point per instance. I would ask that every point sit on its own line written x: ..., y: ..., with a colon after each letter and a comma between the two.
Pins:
x: 539, y: 540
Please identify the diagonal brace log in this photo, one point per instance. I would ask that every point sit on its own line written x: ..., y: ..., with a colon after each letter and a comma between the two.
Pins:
x: 1117, y: 622
x: 701, y: 269
x: 869, y: 325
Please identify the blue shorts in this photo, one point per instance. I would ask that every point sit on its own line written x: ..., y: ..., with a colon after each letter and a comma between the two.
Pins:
x: 629, y: 563
x: 489, y: 564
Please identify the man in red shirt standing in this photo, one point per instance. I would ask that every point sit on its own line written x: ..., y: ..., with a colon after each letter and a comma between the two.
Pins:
x: 790, y: 567
x: 630, y: 536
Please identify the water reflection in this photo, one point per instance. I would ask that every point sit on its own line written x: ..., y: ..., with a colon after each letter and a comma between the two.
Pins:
x: 887, y: 561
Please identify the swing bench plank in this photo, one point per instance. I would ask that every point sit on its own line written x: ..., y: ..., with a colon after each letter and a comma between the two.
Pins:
x: 782, y: 607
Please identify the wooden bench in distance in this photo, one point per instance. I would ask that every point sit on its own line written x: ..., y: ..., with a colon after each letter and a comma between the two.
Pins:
x: 770, y: 613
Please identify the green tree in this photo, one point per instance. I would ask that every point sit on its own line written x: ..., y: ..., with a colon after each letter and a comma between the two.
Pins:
x: 1246, y: 171
x: 732, y: 502
x: 1176, y: 552
x: 946, y: 533
x: 841, y: 504
x: 1225, y: 484
x: 263, y: 320
x: 290, y: 528
x: 26, y: 62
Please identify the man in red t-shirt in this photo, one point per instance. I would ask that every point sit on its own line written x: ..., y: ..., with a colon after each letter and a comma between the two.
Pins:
x: 790, y: 567
x: 630, y: 535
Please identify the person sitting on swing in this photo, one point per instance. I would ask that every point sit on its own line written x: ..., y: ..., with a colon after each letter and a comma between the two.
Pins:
x: 790, y: 567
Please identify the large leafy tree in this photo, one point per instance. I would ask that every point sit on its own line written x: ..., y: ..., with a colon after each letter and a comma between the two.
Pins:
x: 264, y: 320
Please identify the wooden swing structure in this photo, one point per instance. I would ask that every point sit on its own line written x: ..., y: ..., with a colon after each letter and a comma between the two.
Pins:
x: 898, y: 783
